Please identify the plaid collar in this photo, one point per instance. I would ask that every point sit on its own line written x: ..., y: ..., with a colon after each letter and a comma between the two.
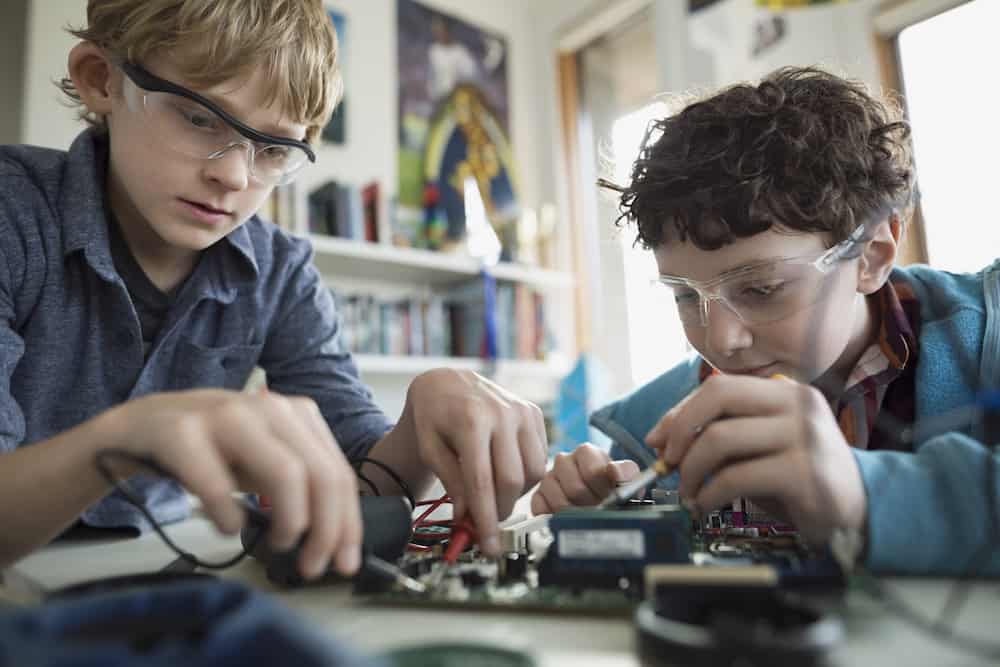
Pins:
x: 889, y: 355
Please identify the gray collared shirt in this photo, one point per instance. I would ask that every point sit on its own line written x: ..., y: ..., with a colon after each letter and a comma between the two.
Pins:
x: 70, y: 341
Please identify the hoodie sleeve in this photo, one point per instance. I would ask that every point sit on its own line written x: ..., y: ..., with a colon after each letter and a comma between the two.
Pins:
x: 933, y: 511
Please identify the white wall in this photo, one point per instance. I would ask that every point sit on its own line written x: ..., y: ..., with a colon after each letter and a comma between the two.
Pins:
x: 13, y: 20
x: 47, y: 120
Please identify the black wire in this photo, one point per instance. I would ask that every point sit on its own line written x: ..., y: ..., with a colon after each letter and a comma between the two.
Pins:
x: 101, y: 462
x: 102, y: 457
x: 403, y: 486
x: 371, y: 484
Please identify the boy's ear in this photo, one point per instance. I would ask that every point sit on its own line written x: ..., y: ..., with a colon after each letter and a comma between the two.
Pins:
x: 879, y: 255
x: 92, y: 76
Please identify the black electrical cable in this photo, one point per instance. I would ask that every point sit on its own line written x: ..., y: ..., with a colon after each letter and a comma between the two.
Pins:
x: 403, y: 486
x: 101, y: 461
x: 371, y: 484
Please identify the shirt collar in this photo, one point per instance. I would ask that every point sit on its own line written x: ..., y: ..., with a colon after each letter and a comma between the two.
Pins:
x: 896, y: 341
x: 83, y: 205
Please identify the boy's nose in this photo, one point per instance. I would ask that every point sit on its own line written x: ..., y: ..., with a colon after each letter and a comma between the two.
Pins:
x: 231, y: 169
x: 725, y: 333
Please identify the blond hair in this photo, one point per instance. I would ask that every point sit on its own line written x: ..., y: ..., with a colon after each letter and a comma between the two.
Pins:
x: 215, y: 40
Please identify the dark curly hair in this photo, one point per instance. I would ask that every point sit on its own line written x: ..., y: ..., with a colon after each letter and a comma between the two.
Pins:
x: 804, y: 150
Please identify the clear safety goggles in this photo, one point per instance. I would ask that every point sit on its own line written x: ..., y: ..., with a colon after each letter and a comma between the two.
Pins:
x: 761, y: 293
x: 184, y: 121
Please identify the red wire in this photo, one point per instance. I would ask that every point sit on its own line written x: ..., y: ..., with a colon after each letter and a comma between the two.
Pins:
x: 434, y: 505
x: 421, y: 522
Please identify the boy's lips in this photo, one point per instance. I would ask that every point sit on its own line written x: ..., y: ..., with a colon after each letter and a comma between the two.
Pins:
x: 765, y: 370
x: 208, y: 207
x: 205, y: 213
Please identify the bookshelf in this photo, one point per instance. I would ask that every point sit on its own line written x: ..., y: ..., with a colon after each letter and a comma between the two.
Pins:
x: 394, y: 274
x: 388, y: 365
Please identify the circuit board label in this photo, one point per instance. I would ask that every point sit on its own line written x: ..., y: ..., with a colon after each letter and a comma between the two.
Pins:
x: 601, y: 544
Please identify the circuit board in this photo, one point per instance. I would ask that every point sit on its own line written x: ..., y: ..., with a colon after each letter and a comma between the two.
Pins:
x: 602, y: 563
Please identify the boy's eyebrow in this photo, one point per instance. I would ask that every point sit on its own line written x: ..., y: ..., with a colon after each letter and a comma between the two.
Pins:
x: 269, y: 128
x: 752, y: 264
x: 740, y: 268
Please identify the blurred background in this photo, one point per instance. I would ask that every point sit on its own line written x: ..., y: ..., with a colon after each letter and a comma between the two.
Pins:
x: 471, y: 136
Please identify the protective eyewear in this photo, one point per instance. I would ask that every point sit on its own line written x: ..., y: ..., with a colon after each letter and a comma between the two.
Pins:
x: 197, y: 127
x: 764, y: 292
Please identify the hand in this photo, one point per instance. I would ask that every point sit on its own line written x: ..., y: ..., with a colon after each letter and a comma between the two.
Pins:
x: 773, y: 441
x: 486, y: 445
x: 584, y: 477
x: 216, y: 442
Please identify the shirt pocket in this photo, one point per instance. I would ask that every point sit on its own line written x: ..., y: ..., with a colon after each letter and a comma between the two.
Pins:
x: 227, y: 367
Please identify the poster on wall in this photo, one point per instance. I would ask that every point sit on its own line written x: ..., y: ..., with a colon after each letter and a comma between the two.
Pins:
x: 335, y: 130
x: 453, y: 129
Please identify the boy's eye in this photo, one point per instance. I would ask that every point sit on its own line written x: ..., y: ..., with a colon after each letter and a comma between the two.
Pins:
x: 198, y: 118
x: 761, y: 290
x: 275, y: 154
x: 201, y: 121
x: 685, y: 297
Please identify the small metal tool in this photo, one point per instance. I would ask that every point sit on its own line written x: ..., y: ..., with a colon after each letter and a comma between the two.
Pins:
x: 387, y: 569
x: 629, y: 489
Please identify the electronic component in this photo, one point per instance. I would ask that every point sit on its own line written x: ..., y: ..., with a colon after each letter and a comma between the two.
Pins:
x: 611, y: 548
x: 576, y: 561
x: 393, y: 573
x: 514, y: 534
x: 626, y: 491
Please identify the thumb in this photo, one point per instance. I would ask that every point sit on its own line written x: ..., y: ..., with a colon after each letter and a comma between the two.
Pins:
x: 622, y: 471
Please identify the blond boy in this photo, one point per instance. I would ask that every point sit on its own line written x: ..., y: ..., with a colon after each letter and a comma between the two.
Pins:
x: 138, y: 289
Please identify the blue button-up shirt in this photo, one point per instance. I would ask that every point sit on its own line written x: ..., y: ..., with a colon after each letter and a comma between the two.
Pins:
x: 70, y: 344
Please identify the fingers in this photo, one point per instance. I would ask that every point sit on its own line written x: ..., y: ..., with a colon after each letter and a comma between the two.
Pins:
x: 477, y: 474
x: 727, y: 441
x: 582, y: 477
x: 751, y: 478
x: 263, y: 460
x: 508, y: 470
x: 440, y: 457
x: 534, y: 446
x: 550, y: 497
x: 204, y: 473
x: 622, y: 471
x: 335, y: 527
x: 287, y: 451
x: 719, y: 396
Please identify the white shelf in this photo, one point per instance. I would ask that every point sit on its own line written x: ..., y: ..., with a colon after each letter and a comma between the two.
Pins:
x: 374, y: 261
x: 414, y: 365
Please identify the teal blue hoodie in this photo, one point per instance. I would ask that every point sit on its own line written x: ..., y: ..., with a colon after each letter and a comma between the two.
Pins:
x: 928, y: 509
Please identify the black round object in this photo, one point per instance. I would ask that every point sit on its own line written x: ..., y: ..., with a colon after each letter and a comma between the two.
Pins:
x: 458, y: 654
x: 734, y: 631
x: 387, y: 528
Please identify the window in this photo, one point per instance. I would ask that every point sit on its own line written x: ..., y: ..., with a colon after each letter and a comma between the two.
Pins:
x: 948, y: 69
x: 655, y: 335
